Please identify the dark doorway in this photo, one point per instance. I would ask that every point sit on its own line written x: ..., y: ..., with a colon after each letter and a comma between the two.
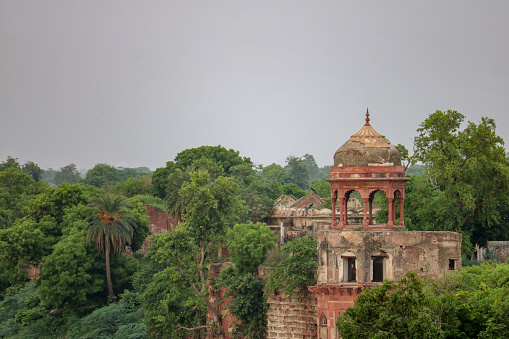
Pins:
x: 378, y: 269
x: 352, y: 274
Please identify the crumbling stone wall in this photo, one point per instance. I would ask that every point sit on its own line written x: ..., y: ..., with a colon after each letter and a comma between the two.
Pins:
x: 426, y: 253
x: 160, y: 222
x: 292, y: 318
x: 499, y: 250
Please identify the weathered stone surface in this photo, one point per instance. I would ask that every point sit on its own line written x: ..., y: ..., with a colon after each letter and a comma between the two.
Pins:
x: 426, y: 253
x: 291, y: 318
x: 499, y: 250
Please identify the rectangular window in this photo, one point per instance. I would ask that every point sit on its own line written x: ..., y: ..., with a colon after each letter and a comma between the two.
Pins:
x: 452, y: 264
x: 349, y: 270
x: 378, y: 269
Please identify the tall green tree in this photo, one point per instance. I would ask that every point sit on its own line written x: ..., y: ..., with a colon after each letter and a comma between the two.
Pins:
x: 100, y: 175
x: 257, y: 191
x: 111, y: 226
x: 9, y: 163
x: 225, y: 158
x: 68, y: 173
x: 468, y: 167
x: 299, y: 171
x: 248, y: 245
x: 176, y: 205
x: 33, y: 170
x: 297, y: 269
x: 185, y: 254
x: 278, y: 173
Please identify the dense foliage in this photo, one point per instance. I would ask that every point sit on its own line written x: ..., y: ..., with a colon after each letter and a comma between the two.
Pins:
x: 221, y: 200
x: 470, y: 303
x: 297, y: 269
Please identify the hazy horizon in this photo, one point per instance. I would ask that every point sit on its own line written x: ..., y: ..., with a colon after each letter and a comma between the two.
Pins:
x: 134, y: 83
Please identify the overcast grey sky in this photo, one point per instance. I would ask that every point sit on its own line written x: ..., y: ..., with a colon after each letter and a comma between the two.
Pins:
x: 132, y: 83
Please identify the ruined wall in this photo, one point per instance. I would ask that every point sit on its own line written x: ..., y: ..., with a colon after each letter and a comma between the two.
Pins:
x: 160, y: 222
x: 332, y: 300
x: 499, y: 250
x: 426, y: 253
x: 299, y: 222
x: 291, y: 318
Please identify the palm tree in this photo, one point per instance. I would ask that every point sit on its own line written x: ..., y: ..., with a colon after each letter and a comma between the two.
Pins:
x: 176, y: 205
x: 110, y: 224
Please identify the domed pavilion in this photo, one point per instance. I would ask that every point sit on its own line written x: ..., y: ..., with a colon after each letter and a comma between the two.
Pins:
x: 367, y: 163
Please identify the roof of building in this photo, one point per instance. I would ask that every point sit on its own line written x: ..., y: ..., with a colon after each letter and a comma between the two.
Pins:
x: 367, y: 147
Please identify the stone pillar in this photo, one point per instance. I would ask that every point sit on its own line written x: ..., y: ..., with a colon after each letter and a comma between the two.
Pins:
x: 390, y: 221
x: 371, y: 211
x: 341, y: 212
x: 333, y: 199
x: 365, y: 213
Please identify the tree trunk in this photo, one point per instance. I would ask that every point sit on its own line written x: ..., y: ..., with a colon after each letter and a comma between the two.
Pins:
x: 108, y: 274
x: 216, y: 318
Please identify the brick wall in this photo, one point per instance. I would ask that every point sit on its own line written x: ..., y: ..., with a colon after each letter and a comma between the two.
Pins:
x: 292, y: 318
x: 160, y: 222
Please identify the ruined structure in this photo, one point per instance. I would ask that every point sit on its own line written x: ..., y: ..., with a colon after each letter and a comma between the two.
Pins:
x: 367, y: 163
x: 354, y: 257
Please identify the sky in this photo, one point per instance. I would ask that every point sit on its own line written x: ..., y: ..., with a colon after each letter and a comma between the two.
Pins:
x: 133, y: 83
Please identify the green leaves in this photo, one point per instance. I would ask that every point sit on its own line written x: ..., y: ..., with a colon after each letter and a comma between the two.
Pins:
x: 470, y: 303
x: 248, y: 245
x: 468, y: 177
x: 297, y: 269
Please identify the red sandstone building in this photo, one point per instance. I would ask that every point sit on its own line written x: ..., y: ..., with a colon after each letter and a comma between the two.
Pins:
x: 352, y: 257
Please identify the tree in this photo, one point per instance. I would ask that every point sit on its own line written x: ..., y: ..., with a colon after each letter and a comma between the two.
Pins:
x: 71, y: 279
x: 278, y: 173
x: 470, y: 303
x: 176, y: 206
x: 468, y: 167
x: 9, y: 163
x: 225, y: 158
x: 100, y: 174
x: 248, y: 245
x: 299, y: 171
x: 297, y: 269
x: 257, y: 191
x: 397, y: 309
x: 33, y: 170
x: 67, y: 174
x: 184, y: 255
x: 16, y: 190
x: 247, y: 304
x: 293, y: 189
x: 111, y: 226
x: 133, y: 186
x: 160, y: 179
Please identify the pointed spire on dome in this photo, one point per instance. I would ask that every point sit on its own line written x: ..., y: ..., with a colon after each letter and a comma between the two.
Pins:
x: 368, y: 136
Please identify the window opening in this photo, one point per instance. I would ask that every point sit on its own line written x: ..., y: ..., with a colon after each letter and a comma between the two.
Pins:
x: 378, y: 269
x: 452, y: 264
x: 349, y: 270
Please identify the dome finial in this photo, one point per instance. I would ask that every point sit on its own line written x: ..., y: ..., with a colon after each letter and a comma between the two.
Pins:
x: 367, y: 117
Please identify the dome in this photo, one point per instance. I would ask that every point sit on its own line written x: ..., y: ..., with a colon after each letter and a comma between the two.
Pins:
x: 367, y: 148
